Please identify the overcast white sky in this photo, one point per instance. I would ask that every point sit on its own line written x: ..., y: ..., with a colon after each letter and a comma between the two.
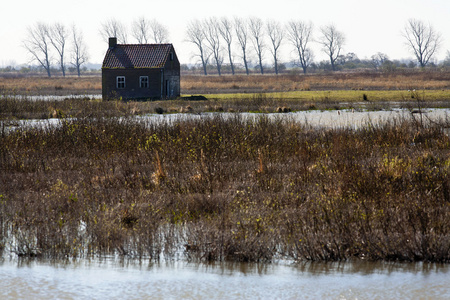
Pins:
x: 369, y: 26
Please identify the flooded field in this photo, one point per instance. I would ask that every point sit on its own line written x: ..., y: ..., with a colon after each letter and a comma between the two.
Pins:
x: 112, y: 279
x: 345, y: 118
x: 175, y: 278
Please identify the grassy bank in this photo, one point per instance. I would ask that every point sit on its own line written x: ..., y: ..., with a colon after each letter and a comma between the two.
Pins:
x: 16, y: 108
x: 226, y: 189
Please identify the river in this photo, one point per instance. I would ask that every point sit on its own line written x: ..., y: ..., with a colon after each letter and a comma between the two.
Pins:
x: 119, y: 279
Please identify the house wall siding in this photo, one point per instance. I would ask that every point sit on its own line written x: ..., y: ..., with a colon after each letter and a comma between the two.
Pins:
x: 132, y: 89
x: 172, y: 76
x: 164, y: 80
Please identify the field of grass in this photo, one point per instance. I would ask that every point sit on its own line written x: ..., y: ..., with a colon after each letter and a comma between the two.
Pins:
x: 256, y: 93
x: 350, y: 96
x: 190, y: 84
x: 16, y: 107
x: 363, y: 81
x: 226, y: 189
x: 89, y: 85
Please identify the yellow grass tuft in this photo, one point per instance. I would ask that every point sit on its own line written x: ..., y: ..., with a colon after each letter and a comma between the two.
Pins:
x: 159, y: 175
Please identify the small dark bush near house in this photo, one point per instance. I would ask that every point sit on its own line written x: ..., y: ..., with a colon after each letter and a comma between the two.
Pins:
x: 159, y: 110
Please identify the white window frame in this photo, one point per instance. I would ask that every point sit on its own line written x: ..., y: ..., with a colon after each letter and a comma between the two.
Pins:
x: 144, y: 79
x: 120, y: 82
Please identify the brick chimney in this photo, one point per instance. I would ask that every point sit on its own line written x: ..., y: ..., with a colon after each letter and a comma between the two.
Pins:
x: 112, y: 42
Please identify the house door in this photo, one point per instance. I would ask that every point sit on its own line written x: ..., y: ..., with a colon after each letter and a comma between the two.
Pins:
x: 168, y: 88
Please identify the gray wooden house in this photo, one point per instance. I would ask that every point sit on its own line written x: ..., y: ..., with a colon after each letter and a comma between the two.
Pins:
x: 140, y: 71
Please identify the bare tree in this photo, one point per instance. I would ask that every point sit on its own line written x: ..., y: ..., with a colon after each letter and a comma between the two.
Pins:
x: 226, y: 31
x: 422, y: 40
x: 276, y: 36
x: 378, y: 59
x: 241, y: 29
x: 256, y: 26
x: 196, y: 34
x: 299, y: 34
x: 58, y: 35
x: 140, y: 29
x: 332, y: 42
x: 114, y: 28
x: 144, y: 31
x: 213, y: 38
x: 79, y: 53
x: 159, y: 32
x: 37, y: 44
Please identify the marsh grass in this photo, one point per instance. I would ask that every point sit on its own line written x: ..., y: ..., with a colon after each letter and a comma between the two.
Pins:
x: 191, y: 84
x: 36, y: 85
x: 14, y: 108
x: 226, y: 189
x: 357, y: 81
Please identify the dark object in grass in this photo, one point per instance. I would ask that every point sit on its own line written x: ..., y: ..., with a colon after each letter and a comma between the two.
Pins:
x: 365, y: 98
x: 194, y: 98
x: 283, y: 109
x: 159, y: 110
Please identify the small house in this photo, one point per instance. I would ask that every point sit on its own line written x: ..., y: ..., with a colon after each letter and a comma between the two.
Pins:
x: 140, y: 71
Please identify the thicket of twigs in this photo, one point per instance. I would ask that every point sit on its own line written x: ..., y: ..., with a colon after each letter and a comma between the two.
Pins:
x: 226, y: 189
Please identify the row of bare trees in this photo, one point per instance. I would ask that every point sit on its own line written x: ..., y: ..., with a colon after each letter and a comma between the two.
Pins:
x: 216, y: 40
x: 255, y: 34
x: 42, y: 38
x: 44, y: 41
x: 208, y: 34
x: 143, y: 31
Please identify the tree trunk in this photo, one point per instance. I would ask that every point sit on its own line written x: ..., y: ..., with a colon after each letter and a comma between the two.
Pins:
x: 47, y: 68
x: 275, y: 59
x: 204, y: 67
x: 261, y: 65
x: 63, y: 69
x: 231, y: 60
x: 219, y: 69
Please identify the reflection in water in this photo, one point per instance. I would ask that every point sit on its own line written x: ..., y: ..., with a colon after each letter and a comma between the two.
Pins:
x: 131, y: 279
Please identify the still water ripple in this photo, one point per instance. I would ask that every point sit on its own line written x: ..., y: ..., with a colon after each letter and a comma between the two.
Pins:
x: 112, y: 279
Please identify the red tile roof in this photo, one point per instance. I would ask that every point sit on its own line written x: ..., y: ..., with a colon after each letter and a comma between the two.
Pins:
x: 137, y: 56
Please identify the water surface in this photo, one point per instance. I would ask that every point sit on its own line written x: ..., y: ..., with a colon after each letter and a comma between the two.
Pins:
x: 314, y: 118
x: 115, y: 279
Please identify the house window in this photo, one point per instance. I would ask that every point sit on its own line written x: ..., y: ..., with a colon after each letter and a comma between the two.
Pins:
x: 143, y: 81
x: 120, y: 82
x: 171, y: 55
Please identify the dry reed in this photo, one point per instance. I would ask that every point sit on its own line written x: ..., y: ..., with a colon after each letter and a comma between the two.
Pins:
x: 226, y: 189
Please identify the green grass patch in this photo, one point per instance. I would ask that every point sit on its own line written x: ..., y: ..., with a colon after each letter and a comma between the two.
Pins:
x: 347, y: 95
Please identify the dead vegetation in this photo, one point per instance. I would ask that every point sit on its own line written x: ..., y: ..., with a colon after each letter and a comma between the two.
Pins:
x: 316, y: 82
x: 194, y: 84
x: 226, y: 189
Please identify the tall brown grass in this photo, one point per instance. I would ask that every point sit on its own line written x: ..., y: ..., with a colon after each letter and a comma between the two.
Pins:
x: 194, y: 84
x: 330, y: 81
x: 226, y: 189
x: 34, y: 85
